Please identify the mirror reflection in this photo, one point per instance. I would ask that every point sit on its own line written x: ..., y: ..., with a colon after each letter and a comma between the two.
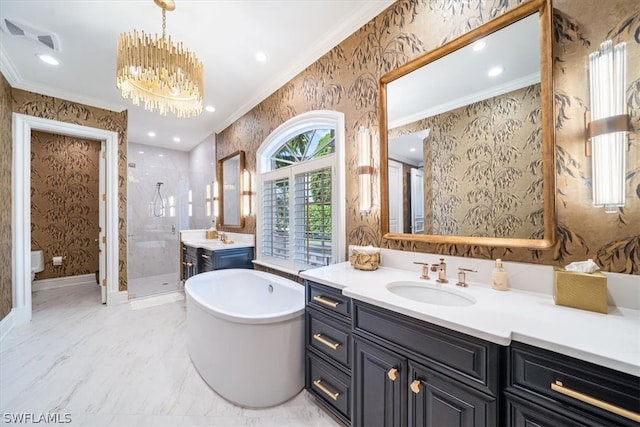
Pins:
x: 230, y: 180
x: 465, y: 140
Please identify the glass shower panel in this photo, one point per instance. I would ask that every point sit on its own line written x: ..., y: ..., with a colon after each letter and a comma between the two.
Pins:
x: 157, y: 208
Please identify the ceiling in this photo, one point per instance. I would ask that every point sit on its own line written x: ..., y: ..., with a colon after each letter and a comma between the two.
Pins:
x: 225, y: 35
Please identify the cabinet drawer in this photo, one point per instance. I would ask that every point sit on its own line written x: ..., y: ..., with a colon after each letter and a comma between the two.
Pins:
x: 328, y: 300
x: 468, y: 359
x: 522, y: 413
x: 330, y: 386
x: 559, y: 378
x: 329, y: 337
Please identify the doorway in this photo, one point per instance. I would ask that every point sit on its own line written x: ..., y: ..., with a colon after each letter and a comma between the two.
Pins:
x: 21, y: 207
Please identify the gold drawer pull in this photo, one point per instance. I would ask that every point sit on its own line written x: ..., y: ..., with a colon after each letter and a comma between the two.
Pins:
x: 392, y: 374
x: 189, y: 264
x: 205, y: 256
x: 416, y: 386
x: 333, y: 395
x: 323, y: 340
x: 327, y: 302
x: 557, y: 386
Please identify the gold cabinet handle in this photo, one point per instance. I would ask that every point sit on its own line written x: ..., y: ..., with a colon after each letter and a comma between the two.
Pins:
x: 392, y: 374
x: 189, y: 264
x: 205, y: 256
x: 332, y: 394
x: 416, y: 386
x: 560, y: 388
x: 325, y: 301
x: 323, y: 340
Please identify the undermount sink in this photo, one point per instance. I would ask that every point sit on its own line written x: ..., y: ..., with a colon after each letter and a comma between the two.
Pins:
x: 430, y: 294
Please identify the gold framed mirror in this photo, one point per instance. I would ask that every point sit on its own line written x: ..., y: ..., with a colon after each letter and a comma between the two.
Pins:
x: 230, y: 185
x: 484, y: 173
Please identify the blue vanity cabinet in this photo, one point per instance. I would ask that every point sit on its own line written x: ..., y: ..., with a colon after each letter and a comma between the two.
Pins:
x: 198, y: 260
x: 549, y: 389
x: 409, y: 372
x: 233, y: 258
x: 328, y: 349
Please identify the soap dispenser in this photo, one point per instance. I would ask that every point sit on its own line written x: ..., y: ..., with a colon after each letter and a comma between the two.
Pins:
x: 499, y: 279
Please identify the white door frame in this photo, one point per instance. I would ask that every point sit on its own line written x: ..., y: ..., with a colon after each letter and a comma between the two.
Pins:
x: 21, y: 207
x: 396, y: 196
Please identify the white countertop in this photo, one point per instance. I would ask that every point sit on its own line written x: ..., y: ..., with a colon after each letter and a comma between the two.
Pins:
x: 197, y: 239
x: 215, y: 244
x: 611, y: 340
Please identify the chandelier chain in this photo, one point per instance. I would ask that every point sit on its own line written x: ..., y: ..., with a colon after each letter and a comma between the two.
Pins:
x: 164, y: 22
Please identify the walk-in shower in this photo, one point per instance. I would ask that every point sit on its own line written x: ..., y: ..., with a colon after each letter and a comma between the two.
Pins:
x: 157, y: 208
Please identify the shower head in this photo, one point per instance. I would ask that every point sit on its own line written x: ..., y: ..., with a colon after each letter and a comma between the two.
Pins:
x: 158, y: 184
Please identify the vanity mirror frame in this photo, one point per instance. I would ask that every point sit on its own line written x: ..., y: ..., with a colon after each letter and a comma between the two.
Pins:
x: 221, y: 193
x: 544, y: 8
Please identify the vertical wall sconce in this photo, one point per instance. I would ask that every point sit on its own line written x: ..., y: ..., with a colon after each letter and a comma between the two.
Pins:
x: 607, y: 131
x: 246, y: 193
x: 216, y: 200
x: 365, y: 168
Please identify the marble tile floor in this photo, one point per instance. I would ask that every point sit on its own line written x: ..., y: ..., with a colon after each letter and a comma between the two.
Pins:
x: 115, y: 366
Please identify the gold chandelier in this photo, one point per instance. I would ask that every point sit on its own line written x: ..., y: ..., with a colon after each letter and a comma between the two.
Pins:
x: 164, y: 76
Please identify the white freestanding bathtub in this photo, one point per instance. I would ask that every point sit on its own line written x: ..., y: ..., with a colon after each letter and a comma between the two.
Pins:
x: 245, y: 335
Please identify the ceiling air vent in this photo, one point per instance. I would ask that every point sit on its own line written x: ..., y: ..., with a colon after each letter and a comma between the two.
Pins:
x: 20, y: 30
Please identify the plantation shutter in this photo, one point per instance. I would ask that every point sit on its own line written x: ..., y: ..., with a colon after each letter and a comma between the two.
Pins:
x: 312, y: 235
x: 275, y: 218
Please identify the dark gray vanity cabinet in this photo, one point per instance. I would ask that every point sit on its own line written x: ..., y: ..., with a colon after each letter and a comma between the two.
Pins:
x: 408, y: 372
x: 190, y: 261
x: 328, y: 354
x: 380, y: 386
x: 550, y: 389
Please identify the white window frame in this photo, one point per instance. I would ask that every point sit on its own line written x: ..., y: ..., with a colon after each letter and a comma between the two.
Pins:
x: 304, y: 122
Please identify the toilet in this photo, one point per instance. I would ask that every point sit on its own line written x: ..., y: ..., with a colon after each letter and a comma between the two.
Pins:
x: 37, y: 263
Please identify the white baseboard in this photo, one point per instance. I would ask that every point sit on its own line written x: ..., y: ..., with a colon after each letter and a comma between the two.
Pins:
x: 6, y: 324
x: 117, y: 297
x: 60, y: 282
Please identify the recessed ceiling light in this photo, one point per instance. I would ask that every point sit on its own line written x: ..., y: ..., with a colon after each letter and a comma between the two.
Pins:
x: 160, y: 155
x: 495, y: 71
x: 479, y: 45
x: 176, y: 139
x: 140, y: 152
x: 48, y: 59
x: 261, y: 57
x: 151, y: 134
x: 210, y: 108
x: 412, y: 149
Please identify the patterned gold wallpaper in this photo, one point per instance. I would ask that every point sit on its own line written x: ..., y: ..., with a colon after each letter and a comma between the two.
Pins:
x: 5, y: 197
x: 490, y: 187
x: 64, y: 203
x: 66, y: 111
x: 346, y: 79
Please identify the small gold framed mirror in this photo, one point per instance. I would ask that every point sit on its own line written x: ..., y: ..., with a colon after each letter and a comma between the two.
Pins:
x: 230, y: 185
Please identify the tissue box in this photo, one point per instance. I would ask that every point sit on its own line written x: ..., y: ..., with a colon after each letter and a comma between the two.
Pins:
x: 581, y: 290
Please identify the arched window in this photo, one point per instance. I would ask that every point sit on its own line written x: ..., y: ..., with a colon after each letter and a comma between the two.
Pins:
x: 300, y: 222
